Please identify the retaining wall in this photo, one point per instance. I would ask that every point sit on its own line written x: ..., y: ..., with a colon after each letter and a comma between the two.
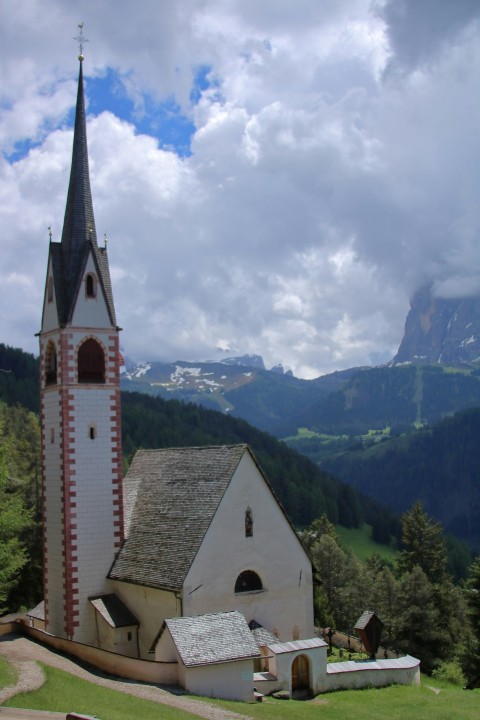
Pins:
x: 160, y: 673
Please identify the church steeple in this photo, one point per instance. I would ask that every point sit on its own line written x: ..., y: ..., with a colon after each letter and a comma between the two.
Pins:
x: 79, y: 236
x: 80, y: 410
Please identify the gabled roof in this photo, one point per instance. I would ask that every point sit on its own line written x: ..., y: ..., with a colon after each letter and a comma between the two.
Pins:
x: 212, y: 638
x: 113, y: 610
x: 79, y: 237
x: 296, y: 645
x: 365, y: 618
x: 171, y: 497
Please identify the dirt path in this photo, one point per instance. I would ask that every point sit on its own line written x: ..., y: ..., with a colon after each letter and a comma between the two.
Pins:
x: 23, y: 654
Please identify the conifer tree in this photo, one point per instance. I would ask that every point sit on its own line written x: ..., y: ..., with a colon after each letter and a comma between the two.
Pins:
x: 423, y: 545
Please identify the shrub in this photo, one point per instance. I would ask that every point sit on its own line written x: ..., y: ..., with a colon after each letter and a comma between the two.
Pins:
x: 450, y: 671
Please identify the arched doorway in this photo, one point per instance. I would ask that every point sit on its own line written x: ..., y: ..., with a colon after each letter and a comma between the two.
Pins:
x: 301, y: 674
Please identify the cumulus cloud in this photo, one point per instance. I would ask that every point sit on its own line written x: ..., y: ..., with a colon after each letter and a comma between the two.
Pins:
x: 332, y: 169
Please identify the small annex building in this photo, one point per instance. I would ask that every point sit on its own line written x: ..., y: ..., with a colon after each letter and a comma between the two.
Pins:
x: 213, y: 652
x: 204, y: 533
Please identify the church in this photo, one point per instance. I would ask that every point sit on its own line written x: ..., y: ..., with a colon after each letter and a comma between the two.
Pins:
x: 189, y: 565
x: 189, y: 531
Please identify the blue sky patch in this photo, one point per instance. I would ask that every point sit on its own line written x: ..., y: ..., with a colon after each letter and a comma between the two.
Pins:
x: 163, y: 121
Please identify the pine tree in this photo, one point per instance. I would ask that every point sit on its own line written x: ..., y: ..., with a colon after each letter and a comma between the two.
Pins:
x: 423, y: 545
x: 420, y: 630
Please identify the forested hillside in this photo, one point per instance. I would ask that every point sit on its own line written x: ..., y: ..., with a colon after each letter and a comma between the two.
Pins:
x: 306, y: 491
x: 395, y: 397
x: 439, y: 465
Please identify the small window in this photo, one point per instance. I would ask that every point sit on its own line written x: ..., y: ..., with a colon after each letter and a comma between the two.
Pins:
x: 52, y: 435
x: 90, y: 286
x: 50, y: 289
x: 295, y: 632
x: 248, y: 522
x: 91, y: 362
x: 92, y: 432
x: 129, y: 636
x: 51, y: 364
x: 248, y: 581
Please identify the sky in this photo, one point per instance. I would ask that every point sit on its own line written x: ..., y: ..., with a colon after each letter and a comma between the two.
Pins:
x: 274, y: 177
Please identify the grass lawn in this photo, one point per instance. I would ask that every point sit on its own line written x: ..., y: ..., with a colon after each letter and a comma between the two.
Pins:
x: 63, y: 692
x: 8, y: 674
x: 434, y: 700
x: 445, y: 702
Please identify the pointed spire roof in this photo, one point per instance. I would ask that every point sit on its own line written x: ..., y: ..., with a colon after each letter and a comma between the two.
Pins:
x: 79, y: 236
x: 79, y: 223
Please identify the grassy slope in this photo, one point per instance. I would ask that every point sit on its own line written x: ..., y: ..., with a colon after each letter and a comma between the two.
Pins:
x: 360, y: 542
x: 63, y: 692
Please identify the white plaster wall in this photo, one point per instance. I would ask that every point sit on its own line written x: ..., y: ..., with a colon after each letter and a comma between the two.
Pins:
x: 355, y: 680
x: 116, y: 639
x: 230, y: 681
x: 273, y: 552
x: 90, y: 311
x: 150, y: 607
x: 281, y: 666
x: 94, y: 498
x: 53, y: 508
x: 165, y: 650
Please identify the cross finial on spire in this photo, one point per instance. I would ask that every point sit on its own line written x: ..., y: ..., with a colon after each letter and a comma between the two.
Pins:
x: 81, y: 40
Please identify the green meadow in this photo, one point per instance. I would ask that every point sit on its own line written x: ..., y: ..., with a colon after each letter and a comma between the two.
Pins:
x: 433, y: 700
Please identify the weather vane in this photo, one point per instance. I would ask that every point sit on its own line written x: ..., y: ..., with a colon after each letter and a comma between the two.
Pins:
x: 81, y: 41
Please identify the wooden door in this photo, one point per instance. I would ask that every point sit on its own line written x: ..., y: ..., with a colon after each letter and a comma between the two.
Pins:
x: 300, y: 673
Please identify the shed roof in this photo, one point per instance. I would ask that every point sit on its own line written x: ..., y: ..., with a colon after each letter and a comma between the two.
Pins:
x: 212, y: 638
x: 171, y: 497
x: 38, y: 612
x: 113, y: 610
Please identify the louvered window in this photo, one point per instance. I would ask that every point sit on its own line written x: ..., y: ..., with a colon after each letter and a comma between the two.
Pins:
x: 90, y: 286
x: 91, y: 362
x: 51, y: 365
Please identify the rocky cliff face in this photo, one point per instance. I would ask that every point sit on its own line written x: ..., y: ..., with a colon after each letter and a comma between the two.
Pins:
x: 439, y: 330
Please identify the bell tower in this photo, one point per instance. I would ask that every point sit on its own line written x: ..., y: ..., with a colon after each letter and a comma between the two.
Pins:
x: 80, y: 410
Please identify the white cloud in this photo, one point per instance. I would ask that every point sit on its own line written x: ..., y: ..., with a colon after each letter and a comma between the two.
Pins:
x: 334, y: 167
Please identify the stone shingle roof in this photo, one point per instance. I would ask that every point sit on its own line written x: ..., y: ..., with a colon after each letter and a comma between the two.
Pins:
x: 212, y: 638
x: 79, y: 236
x: 113, y: 610
x: 261, y: 635
x: 170, y: 499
